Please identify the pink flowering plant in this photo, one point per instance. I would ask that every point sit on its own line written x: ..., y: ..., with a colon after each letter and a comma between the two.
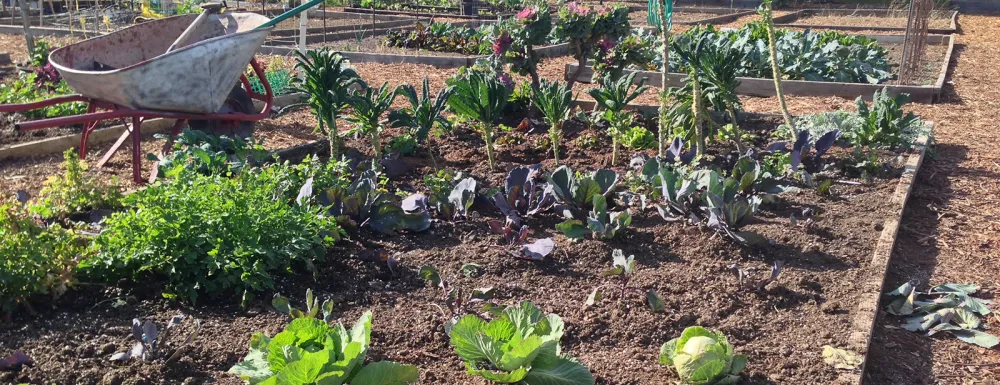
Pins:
x: 515, y: 44
x: 636, y: 50
x: 588, y: 31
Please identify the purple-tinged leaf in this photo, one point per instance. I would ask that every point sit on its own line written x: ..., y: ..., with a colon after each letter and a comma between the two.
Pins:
x: 776, y: 270
x: 825, y: 142
x: 15, y: 361
x: 796, y: 160
x: 150, y: 332
x: 496, y: 227
x: 305, y: 192
x: 778, y: 146
x: 522, y: 234
x: 137, y: 329
x: 655, y: 302
x: 802, y: 139
x: 373, y: 255
x: 138, y: 351
x: 22, y: 196
x: 415, y: 203
x: 539, y: 249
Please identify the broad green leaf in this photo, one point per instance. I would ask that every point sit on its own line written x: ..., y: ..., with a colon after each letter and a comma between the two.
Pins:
x: 281, y: 304
x: 362, y: 330
x: 966, y: 319
x: 521, y: 354
x: 667, y: 352
x: 573, y: 228
x: 305, y: 370
x: 655, y: 302
x: 430, y: 273
x: 386, y: 373
x: 254, y: 368
x: 503, y: 378
x: 465, y: 338
x: 977, y: 337
x: 594, y: 297
x: 565, y: 372
x: 739, y: 363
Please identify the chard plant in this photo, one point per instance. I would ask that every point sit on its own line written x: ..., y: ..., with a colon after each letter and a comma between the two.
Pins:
x: 703, y: 357
x: 612, y: 97
x: 576, y: 192
x: 363, y: 204
x: 520, y: 345
x: 522, y: 195
x: 152, y: 345
x: 949, y: 308
x: 515, y: 241
x: 555, y: 100
x: 481, y: 97
x: 624, y: 269
x: 310, y: 351
x: 367, y: 108
x: 423, y: 114
x: 327, y: 78
x: 603, y: 225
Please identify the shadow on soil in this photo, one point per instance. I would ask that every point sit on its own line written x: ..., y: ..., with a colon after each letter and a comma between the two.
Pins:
x: 897, y: 356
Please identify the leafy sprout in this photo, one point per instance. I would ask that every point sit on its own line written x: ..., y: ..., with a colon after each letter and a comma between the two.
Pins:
x: 555, y: 100
x: 481, y: 96
x: 612, y: 97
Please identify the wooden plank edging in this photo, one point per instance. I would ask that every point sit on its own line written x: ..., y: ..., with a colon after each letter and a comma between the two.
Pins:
x: 788, y: 21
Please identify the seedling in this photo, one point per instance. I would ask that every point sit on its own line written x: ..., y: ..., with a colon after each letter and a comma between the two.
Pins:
x: 515, y: 240
x: 624, y: 269
x: 455, y: 299
x: 313, y: 307
x: 748, y: 281
x: 149, y: 340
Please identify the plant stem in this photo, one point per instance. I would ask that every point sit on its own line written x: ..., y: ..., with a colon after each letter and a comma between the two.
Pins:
x: 665, y: 39
x: 775, y: 69
x: 488, y: 135
x: 430, y: 150
x: 737, y: 133
x: 696, y: 110
x: 375, y: 144
x: 614, y: 147
x: 334, y: 135
x: 555, y: 135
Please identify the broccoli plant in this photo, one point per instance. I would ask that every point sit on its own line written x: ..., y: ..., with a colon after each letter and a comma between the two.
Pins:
x: 624, y: 269
x: 327, y: 78
x: 310, y: 351
x: 555, y: 100
x: 478, y: 300
x: 151, y: 345
x: 423, y: 114
x: 612, y: 97
x: 576, y: 191
x: 283, y: 305
x: 703, y: 357
x: 515, y: 240
x: 367, y: 108
x: 522, y: 195
x: 362, y: 204
x: 601, y: 223
x: 481, y: 96
x: 521, y: 345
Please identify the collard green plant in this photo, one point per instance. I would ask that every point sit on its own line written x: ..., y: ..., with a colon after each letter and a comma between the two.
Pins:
x: 37, y: 259
x: 212, y: 235
x: 327, y: 78
x: 555, y: 101
x: 482, y: 97
x: 612, y: 97
x: 603, y: 225
x: 151, y: 344
x: 367, y: 108
x: 310, y: 351
x: 703, y: 357
x: 423, y: 114
x: 948, y: 308
x: 73, y: 191
x: 578, y: 191
x: 362, y: 204
x: 884, y: 124
x: 521, y: 345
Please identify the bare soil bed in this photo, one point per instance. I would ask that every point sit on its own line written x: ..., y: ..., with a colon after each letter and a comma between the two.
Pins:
x: 375, y: 44
x: 894, y: 20
x: 781, y: 327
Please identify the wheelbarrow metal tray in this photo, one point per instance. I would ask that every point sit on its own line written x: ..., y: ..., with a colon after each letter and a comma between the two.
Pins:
x: 131, y: 67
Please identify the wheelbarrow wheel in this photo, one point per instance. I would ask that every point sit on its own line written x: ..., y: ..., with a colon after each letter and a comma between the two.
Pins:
x: 238, y: 101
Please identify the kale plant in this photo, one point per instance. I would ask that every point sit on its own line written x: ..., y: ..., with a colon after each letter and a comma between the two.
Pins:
x: 423, y: 114
x: 367, y: 108
x: 480, y: 96
x: 884, y: 124
x: 612, y: 97
x: 209, y: 154
x: 520, y: 345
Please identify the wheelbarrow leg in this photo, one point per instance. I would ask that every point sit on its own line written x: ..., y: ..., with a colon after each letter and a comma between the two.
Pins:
x: 168, y: 147
x: 87, y: 129
x: 137, y: 150
x: 118, y: 143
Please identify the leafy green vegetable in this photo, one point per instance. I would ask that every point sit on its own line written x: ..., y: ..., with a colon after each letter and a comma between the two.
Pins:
x: 603, y: 224
x: 310, y: 351
x: 948, y: 308
x: 521, y: 345
x: 480, y: 96
x: 423, y: 114
x: 73, y: 192
x: 367, y: 108
x: 282, y: 304
x: 884, y: 124
x: 362, y: 203
x: 638, y: 138
x: 578, y: 191
x: 328, y: 76
x: 209, y: 154
x: 612, y: 97
x: 555, y: 101
x: 703, y: 357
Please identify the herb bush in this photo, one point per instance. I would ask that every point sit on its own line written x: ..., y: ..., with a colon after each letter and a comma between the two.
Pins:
x: 36, y: 259
x: 72, y: 192
x: 803, y: 55
x: 211, y: 234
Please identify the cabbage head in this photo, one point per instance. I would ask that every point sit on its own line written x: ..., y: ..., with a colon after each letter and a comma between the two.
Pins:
x: 703, y: 357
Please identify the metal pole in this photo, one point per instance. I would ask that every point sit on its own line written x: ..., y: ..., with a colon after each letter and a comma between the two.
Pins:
x: 303, y: 25
x: 30, y: 40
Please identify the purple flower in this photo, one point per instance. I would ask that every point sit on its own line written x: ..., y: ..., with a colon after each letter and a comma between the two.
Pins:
x: 501, y: 44
x: 604, y: 10
x: 528, y: 14
x: 606, y: 44
x: 507, y: 82
x: 575, y: 8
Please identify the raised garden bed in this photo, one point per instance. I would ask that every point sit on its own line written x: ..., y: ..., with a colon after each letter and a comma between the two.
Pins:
x: 339, y: 22
x: 370, y: 50
x: 940, y: 49
x: 691, y: 15
x: 448, y: 12
x: 941, y: 22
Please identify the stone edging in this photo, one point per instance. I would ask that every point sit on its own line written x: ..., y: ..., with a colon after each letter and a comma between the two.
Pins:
x: 765, y: 87
x: 788, y: 21
x: 868, y: 307
x: 103, y: 135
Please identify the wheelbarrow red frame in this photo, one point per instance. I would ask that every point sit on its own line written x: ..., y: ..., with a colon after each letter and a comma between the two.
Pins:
x: 99, y: 110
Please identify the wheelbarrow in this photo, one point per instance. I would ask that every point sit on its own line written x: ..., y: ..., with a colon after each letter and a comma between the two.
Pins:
x: 189, y: 68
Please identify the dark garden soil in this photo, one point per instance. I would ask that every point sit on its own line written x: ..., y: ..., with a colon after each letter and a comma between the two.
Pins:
x: 376, y: 45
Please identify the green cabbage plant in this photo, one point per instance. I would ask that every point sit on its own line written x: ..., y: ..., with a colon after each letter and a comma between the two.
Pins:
x: 519, y: 346
x: 703, y: 357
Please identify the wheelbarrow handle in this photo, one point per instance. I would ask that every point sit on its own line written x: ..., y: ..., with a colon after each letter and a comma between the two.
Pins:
x: 290, y: 13
x: 207, y: 9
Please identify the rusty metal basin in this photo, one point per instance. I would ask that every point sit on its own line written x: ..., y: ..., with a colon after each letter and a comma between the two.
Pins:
x: 131, y: 67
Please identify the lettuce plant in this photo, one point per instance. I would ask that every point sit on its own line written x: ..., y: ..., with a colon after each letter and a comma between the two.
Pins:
x: 601, y: 223
x: 577, y: 191
x: 481, y: 96
x: 521, y: 345
x: 310, y: 351
x: 638, y: 138
x: 703, y: 357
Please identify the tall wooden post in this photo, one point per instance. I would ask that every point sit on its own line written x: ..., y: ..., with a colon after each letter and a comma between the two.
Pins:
x: 30, y: 40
